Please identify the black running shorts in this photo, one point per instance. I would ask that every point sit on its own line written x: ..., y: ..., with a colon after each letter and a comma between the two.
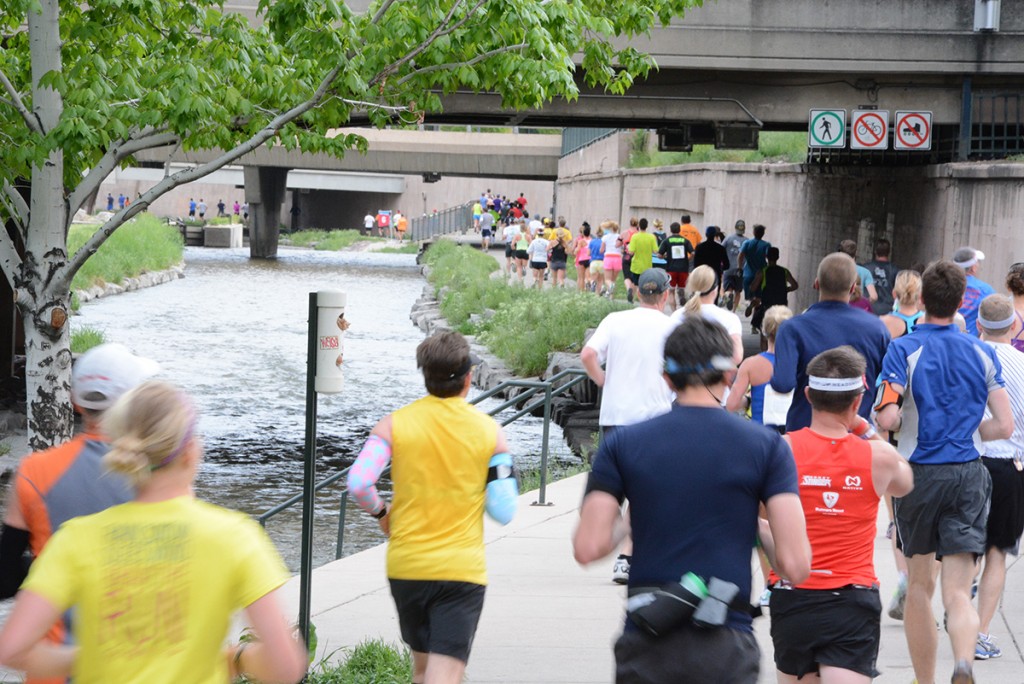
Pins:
x: 1006, y: 519
x: 438, y: 617
x: 689, y: 655
x: 947, y: 510
x: 834, y: 627
x: 509, y: 252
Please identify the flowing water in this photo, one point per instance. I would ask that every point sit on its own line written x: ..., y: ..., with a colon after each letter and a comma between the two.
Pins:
x: 232, y: 333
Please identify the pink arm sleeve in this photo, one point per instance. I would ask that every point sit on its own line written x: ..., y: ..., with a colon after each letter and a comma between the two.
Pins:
x: 363, y: 476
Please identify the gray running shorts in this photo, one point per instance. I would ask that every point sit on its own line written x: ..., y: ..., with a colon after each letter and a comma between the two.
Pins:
x: 947, y: 511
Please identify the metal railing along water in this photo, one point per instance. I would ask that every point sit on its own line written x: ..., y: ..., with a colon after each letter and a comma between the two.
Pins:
x: 558, y: 384
x: 451, y: 220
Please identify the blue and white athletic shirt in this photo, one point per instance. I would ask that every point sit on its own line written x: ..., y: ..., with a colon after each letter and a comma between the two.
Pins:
x: 976, y: 291
x: 1012, y: 362
x: 948, y: 376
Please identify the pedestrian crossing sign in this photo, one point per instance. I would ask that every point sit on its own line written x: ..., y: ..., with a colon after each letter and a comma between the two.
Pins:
x: 826, y: 128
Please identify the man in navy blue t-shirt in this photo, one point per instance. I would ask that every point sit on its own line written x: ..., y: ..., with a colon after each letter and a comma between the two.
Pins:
x: 830, y: 323
x: 693, y: 508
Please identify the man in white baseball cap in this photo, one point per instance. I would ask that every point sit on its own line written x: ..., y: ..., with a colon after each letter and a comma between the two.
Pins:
x: 68, y: 480
x: 968, y: 259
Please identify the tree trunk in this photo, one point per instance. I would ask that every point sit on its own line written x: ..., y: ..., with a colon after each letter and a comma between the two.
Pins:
x: 45, y: 295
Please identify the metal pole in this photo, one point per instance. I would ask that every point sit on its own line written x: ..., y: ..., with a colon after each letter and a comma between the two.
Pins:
x: 308, y: 475
x: 544, y: 449
x: 341, y: 525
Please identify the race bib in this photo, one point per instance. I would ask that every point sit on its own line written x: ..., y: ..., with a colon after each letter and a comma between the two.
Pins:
x: 678, y: 251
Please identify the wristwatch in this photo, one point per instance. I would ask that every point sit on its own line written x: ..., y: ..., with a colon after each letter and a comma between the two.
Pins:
x: 381, y: 513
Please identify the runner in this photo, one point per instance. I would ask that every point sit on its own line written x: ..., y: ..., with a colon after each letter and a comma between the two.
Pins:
x: 611, y: 249
x: 867, y: 281
x: 884, y: 274
x: 478, y: 210
x: 402, y: 225
x: 560, y: 248
x: 657, y: 259
x: 830, y: 624
x: 702, y: 288
x: 752, y: 258
x: 581, y: 247
x: 486, y: 224
x: 941, y: 424
x: 691, y: 516
x: 830, y: 323
x: 712, y: 253
x: 627, y: 257
x: 154, y: 583
x: 677, y: 251
x: 689, y: 231
x: 732, y: 283
x: 767, y: 406
x: 1004, y: 459
x: 968, y: 259
x: 906, y: 293
x: 1015, y: 286
x: 629, y: 344
x: 522, y: 250
x: 771, y: 287
x: 538, y: 251
x: 449, y: 464
x: 597, y: 285
x: 641, y: 248
x: 509, y: 234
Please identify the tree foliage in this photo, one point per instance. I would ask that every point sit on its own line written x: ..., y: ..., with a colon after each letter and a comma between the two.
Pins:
x: 84, y: 86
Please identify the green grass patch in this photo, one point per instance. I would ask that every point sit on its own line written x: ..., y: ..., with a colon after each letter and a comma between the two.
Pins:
x: 527, y: 323
x: 326, y: 240
x: 143, y: 244
x: 374, y: 661
x: 529, y: 478
x: 5, y: 448
x: 85, y: 338
x: 410, y: 248
x: 773, y: 146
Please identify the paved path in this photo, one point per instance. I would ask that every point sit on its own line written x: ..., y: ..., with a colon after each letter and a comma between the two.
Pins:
x: 548, y: 620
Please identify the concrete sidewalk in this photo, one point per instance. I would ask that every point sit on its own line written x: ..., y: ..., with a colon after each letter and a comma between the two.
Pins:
x: 548, y: 620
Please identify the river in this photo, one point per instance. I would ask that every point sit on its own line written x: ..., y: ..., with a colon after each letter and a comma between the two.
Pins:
x: 233, y: 334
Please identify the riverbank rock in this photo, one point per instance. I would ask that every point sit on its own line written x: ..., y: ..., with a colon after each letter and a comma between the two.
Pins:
x: 132, y: 284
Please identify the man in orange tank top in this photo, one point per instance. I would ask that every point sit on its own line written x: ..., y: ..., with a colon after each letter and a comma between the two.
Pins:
x: 830, y: 624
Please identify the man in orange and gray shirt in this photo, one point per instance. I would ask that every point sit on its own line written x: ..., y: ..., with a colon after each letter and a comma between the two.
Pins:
x: 68, y: 481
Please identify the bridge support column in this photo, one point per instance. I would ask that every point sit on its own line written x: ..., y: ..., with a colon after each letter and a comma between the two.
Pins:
x: 264, y: 192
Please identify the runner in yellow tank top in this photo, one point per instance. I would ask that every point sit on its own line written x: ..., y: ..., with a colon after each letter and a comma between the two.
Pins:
x: 449, y: 464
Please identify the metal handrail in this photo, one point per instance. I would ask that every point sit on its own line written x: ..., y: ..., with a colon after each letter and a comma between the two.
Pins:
x: 452, y: 220
x: 531, y: 387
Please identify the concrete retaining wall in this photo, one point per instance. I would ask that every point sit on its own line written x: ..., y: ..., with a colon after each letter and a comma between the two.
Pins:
x: 928, y: 212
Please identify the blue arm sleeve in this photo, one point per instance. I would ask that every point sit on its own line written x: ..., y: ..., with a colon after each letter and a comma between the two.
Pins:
x: 502, y: 496
x: 784, y: 375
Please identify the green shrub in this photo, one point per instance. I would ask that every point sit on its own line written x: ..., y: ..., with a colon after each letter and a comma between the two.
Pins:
x: 143, y: 244
x: 85, y: 338
x: 527, y: 323
x: 374, y: 661
x: 410, y: 248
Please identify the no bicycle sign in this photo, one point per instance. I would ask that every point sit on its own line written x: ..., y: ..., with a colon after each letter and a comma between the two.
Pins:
x: 826, y: 128
x: 869, y: 130
x: 913, y: 131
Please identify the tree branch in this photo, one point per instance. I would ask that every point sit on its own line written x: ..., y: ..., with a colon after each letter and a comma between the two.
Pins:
x: 380, y: 13
x: 16, y: 204
x: 143, y: 140
x: 30, y: 120
x: 438, y: 33
x: 454, y: 65
x: 63, y: 279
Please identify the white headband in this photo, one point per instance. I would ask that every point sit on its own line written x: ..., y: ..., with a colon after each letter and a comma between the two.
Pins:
x: 835, y: 384
x: 967, y: 264
x: 995, y: 325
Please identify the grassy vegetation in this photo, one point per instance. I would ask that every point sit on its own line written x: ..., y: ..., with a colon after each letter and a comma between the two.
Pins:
x: 527, y: 323
x: 409, y: 248
x: 5, y: 448
x: 326, y: 240
x: 529, y: 479
x: 372, y: 662
x: 773, y: 146
x: 144, y: 244
x: 85, y: 338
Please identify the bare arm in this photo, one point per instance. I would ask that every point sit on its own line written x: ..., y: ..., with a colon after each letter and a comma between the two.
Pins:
x: 890, y: 417
x: 14, y: 540
x: 793, y: 286
x: 601, y: 528
x: 22, y: 646
x: 277, y: 655
x: 872, y: 293
x: 592, y: 364
x: 792, y: 549
x: 739, y: 388
x: 1000, y: 425
x: 889, y: 471
x: 737, y: 348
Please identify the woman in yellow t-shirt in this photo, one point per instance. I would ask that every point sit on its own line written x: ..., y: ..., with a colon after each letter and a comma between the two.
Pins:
x: 154, y: 582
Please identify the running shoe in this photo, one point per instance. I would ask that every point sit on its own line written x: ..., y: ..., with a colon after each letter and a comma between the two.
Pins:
x: 620, y: 571
x: 727, y: 305
x: 962, y: 674
x: 899, y: 599
x: 749, y: 310
x: 986, y: 648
